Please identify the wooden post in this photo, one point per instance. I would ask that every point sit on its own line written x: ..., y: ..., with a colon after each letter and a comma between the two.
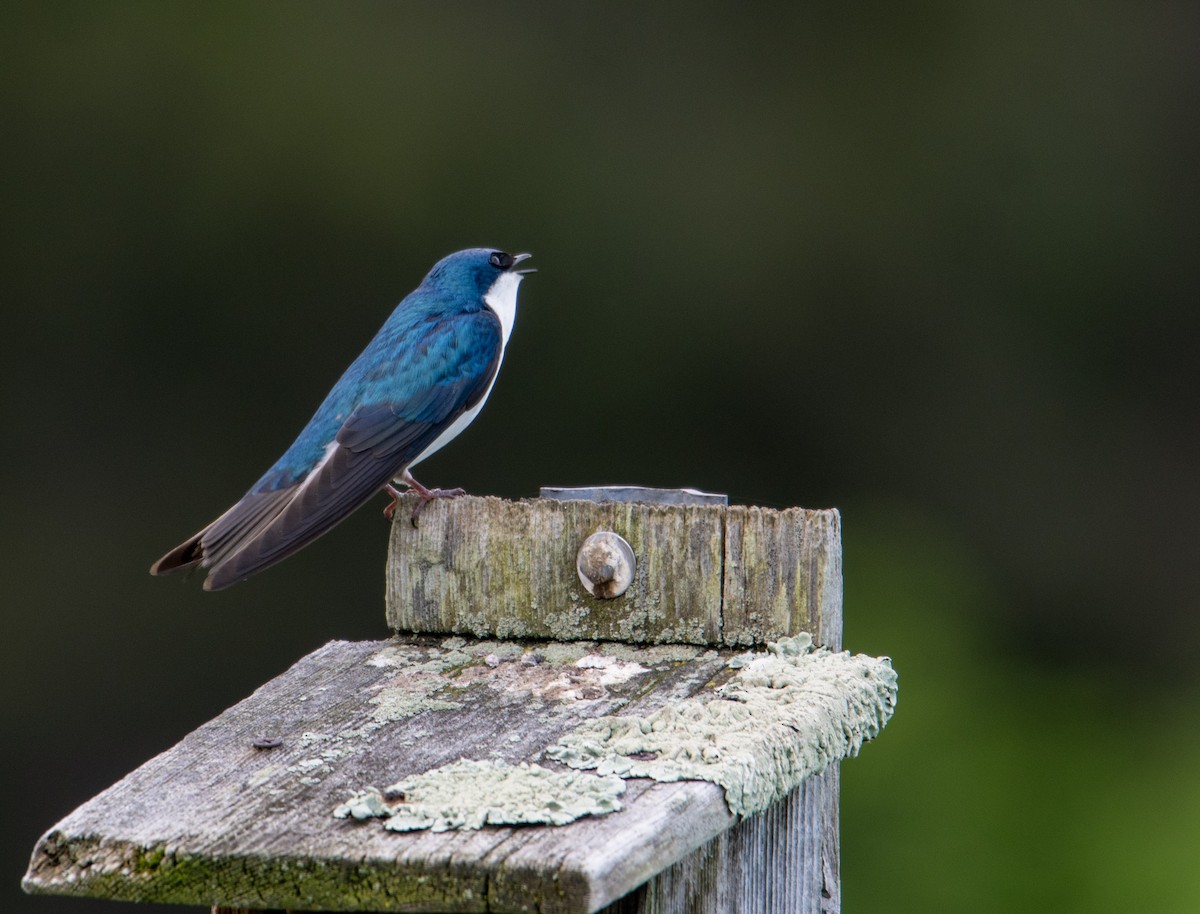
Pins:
x: 520, y: 744
x: 706, y: 574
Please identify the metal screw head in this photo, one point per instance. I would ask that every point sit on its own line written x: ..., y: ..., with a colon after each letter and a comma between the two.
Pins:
x: 605, y: 564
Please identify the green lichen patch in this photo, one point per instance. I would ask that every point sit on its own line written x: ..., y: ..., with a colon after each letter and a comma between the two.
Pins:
x: 561, y: 653
x: 399, y: 703
x: 470, y: 794
x: 442, y: 659
x: 786, y: 714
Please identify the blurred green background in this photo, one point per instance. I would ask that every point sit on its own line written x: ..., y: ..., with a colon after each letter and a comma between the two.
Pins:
x: 931, y: 263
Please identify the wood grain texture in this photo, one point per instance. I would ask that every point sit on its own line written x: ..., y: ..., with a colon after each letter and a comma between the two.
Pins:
x: 783, y: 575
x: 493, y: 568
x: 783, y: 861
x: 215, y: 821
x: 736, y: 576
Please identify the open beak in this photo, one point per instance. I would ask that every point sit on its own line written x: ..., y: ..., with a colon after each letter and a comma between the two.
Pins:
x: 517, y: 258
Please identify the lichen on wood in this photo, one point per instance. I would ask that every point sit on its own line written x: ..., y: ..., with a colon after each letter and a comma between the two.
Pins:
x: 215, y: 820
x: 786, y: 714
x: 705, y: 574
x: 643, y: 686
x: 470, y: 794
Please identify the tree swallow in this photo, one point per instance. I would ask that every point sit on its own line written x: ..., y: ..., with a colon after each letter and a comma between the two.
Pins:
x: 419, y: 382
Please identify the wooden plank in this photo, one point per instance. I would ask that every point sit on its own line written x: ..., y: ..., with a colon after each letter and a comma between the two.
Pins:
x: 783, y: 861
x: 706, y: 574
x: 783, y: 575
x: 493, y: 568
x: 216, y: 820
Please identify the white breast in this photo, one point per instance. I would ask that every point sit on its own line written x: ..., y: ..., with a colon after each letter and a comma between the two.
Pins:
x: 502, y: 299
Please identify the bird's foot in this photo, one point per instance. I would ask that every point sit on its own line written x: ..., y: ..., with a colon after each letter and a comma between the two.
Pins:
x: 429, y: 495
x: 424, y: 496
x: 390, y: 511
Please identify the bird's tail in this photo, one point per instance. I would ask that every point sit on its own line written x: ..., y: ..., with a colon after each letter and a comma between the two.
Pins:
x: 226, y: 535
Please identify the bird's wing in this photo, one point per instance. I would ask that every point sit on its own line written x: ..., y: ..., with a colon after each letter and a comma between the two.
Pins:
x: 434, y: 383
x: 228, y: 532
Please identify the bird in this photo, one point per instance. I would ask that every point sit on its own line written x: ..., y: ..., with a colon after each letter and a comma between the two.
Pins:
x: 420, y: 381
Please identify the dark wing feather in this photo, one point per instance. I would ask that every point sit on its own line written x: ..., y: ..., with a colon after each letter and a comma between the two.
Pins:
x: 374, y: 445
x: 227, y: 533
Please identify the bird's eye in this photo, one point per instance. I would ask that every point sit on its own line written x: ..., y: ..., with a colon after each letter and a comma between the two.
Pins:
x: 501, y: 261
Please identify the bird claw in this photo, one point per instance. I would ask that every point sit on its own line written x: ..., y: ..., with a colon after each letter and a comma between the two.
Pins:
x: 424, y: 497
x: 390, y: 511
x: 429, y: 495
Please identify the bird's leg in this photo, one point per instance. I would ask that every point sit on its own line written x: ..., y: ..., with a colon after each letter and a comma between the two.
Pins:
x: 425, y: 495
x: 390, y: 510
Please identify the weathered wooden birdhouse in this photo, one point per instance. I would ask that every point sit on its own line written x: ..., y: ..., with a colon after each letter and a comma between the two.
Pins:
x: 616, y: 700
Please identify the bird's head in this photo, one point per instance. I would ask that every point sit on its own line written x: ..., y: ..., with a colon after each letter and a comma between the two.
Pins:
x: 475, y: 271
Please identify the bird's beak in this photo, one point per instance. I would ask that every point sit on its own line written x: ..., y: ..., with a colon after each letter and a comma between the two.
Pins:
x: 517, y: 258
